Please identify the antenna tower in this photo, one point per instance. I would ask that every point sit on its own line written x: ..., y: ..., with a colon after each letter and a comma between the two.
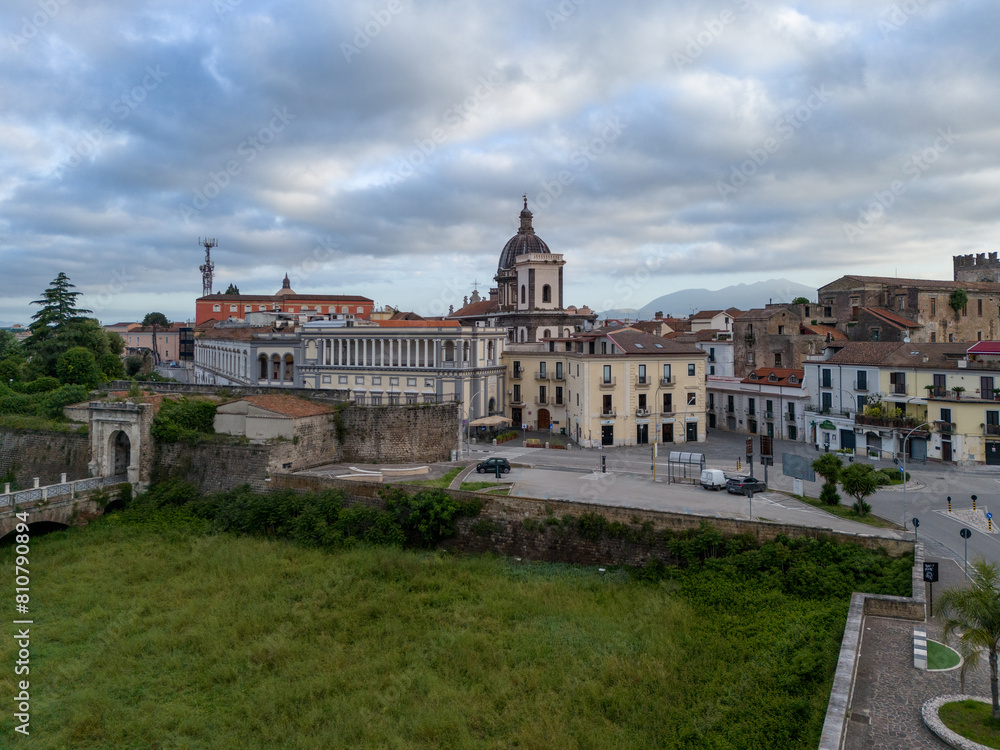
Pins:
x: 207, y: 268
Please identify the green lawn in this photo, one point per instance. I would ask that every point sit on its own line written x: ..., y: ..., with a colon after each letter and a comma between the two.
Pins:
x: 973, y: 720
x: 150, y: 632
x: 847, y: 511
x: 473, y: 486
x: 441, y: 483
x: 940, y: 656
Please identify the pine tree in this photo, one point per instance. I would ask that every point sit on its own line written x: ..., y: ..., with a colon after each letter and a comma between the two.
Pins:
x: 56, y: 327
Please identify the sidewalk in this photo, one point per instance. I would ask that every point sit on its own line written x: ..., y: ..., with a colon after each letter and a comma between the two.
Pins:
x: 889, y: 691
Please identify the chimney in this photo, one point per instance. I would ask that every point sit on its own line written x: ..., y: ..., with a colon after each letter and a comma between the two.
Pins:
x: 658, y: 315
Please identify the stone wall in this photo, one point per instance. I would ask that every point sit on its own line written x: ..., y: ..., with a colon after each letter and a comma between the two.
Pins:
x: 45, y: 455
x: 215, y: 467
x: 400, y: 434
x: 542, y: 539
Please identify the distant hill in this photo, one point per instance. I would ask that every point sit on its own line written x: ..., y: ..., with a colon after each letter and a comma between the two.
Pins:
x: 682, y: 303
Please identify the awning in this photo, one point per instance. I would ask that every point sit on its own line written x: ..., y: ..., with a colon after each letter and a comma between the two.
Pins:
x: 494, y: 421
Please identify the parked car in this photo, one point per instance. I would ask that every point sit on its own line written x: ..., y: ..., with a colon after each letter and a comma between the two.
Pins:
x: 489, y: 466
x: 739, y: 485
x: 713, y: 479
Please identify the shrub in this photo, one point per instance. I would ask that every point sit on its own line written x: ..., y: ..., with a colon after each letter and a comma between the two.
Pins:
x: 184, y: 420
x: 828, y: 494
x: 428, y: 516
x: 78, y: 366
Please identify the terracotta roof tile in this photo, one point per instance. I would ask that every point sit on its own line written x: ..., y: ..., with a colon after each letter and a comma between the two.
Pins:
x: 781, y: 375
x: 863, y: 352
x: 289, y: 406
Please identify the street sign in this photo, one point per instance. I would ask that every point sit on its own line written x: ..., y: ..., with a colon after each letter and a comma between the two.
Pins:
x: 749, y: 448
x: 766, y: 445
x: 930, y: 572
x: 989, y: 515
x: 965, y: 533
x: 797, y: 467
x: 916, y: 522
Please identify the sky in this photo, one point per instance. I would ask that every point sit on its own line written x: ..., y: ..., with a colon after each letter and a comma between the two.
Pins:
x: 382, y: 148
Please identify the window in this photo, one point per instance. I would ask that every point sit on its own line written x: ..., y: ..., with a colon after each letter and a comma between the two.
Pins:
x: 233, y: 308
x: 517, y: 393
x: 411, y: 398
x: 751, y: 406
x: 768, y: 409
x: 862, y: 384
x: 711, y: 400
x: 965, y: 310
x: 986, y: 388
x: 777, y: 359
x: 900, y: 302
x: 642, y: 374
x: 216, y: 308
x: 898, y: 382
x: 559, y: 370
x: 826, y: 402
x: 393, y: 381
x: 411, y: 382
x: 361, y: 310
x: 607, y: 407
x: 376, y: 380
x: 376, y: 399
x: 262, y: 307
x: 668, y: 403
x: 946, y: 415
x: 933, y: 307
x: 607, y: 374
x: 524, y: 296
x: 781, y: 330
x: 862, y: 402
x: 793, y: 433
x: 940, y: 384
x: 359, y: 398
x: 542, y: 394
x: 826, y: 381
x: 359, y: 380
x: 546, y: 293
x: 791, y: 411
x: 247, y: 308
x: 344, y: 309
x: 559, y: 395
x: 428, y: 383
x: 342, y: 380
x: 691, y: 369
x: 752, y: 426
x: 730, y: 406
x: 951, y: 338
x: 541, y: 369
x: 692, y: 399
x: 666, y: 373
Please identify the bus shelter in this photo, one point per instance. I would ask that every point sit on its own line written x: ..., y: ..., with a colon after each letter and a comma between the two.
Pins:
x: 684, y: 467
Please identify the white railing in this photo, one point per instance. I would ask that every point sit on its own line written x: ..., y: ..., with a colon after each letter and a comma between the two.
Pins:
x: 51, y: 491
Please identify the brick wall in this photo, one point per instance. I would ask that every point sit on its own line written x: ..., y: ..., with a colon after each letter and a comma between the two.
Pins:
x: 507, y: 534
x: 45, y: 455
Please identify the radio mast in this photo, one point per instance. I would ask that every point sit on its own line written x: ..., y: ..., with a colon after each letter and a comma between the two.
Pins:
x: 208, y: 267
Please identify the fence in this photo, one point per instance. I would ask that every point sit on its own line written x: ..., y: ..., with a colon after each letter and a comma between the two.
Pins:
x: 62, y: 489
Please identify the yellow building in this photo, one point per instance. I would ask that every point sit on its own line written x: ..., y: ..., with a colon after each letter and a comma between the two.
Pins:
x: 609, y: 387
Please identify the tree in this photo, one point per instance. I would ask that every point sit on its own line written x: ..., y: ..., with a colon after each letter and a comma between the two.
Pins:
x: 111, y: 366
x: 974, y: 613
x: 233, y: 289
x: 55, y: 325
x: 828, y: 466
x: 78, y: 366
x: 156, y: 320
x: 859, y: 481
x: 9, y: 345
x: 800, y: 301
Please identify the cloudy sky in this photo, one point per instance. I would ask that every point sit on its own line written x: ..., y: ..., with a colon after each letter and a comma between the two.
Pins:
x: 381, y: 148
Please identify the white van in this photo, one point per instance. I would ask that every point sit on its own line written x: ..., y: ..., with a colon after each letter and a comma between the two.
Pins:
x: 713, y: 479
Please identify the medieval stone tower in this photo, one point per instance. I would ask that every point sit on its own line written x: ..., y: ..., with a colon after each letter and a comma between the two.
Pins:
x: 978, y: 267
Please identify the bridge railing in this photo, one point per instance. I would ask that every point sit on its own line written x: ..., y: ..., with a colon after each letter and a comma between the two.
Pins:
x: 52, y: 491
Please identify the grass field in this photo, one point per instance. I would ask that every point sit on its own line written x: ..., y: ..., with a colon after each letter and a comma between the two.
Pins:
x: 973, y: 720
x: 940, y: 656
x: 151, y: 633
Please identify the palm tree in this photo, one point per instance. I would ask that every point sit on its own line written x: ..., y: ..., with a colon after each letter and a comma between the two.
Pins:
x: 974, y: 614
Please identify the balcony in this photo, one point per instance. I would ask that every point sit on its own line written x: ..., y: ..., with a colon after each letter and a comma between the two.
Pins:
x: 667, y: 413
x: 992, y: 430
x: 666, y: 381
x: 642, y: 382
x: 543, y: 401
x: 897, y: 422
x: 607, y: 383
x: 768, y: 415
x: 899, y: 389
x: 516, y: 401
x: 711, y: 358
x: 826, y: 384
x: 789, y: 417
x: 861, y: 386
x: 642, y: 412
x: 541, y: 376
x: 945, y: 428
x: 608, y: 412
x: 518, y: 373
x: 557, y: 376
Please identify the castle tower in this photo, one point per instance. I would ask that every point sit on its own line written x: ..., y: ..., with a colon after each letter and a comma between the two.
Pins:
x: 976, y: 267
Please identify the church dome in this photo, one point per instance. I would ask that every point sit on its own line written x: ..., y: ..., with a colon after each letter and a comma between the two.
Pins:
x: 286, y: 288
x: 522, y: 243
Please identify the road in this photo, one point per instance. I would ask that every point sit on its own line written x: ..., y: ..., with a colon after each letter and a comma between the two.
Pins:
x: 925, y: 497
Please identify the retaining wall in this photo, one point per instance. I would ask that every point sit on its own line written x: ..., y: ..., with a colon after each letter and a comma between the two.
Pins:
x: 45, y: 455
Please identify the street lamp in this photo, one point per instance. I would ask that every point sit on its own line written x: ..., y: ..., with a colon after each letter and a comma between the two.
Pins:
x: 468, y: 422
x: 922, y: 424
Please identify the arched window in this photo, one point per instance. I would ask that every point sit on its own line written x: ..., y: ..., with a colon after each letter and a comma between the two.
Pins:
x: 524, y: 296
x: 545, y: 333
x: 546, y: 293
x: 262, y: 359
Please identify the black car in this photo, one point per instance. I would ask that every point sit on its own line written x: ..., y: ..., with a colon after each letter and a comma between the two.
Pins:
x: 490, y: 465
x: 740, y: 485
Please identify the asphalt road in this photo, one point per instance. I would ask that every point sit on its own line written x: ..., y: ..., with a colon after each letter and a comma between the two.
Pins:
x: 632, y: 477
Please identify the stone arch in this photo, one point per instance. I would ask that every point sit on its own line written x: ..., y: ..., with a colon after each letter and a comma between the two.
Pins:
x: 546, y: 293
x: 492, y: 406
x: 289, y: 368
x: 262, y: 367
x: 275, y: 367
x: 524, y: 296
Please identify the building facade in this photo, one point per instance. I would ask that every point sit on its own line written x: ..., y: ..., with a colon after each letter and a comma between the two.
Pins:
x: 769, y: 401
x: 221, y: 307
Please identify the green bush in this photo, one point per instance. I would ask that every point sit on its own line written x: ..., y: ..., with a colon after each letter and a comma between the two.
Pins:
x: 78, y: 366
x: 184, y: 420
x: 428, y: 516
x: 828, y: 495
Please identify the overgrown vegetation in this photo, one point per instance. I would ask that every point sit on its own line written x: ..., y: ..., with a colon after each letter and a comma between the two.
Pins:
x: 267, y: 643
x: 184, y: 420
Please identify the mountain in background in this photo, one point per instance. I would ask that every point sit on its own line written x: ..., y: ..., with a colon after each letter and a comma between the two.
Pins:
x: 682, y: 303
